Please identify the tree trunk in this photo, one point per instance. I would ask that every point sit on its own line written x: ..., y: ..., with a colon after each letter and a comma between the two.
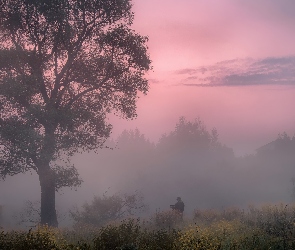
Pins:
x: 47, y: 179
x: 47, y: 183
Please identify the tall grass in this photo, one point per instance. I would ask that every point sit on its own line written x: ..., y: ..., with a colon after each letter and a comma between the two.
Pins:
x: 267, y: 227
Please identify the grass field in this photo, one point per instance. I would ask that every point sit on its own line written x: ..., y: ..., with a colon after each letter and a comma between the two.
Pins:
x: 267, y: 227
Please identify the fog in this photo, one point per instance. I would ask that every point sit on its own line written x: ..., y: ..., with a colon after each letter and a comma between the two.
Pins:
x: 189, y: 161
x: 229, y: 69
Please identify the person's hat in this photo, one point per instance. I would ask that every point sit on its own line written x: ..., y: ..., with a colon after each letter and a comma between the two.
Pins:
x: 178, y: 198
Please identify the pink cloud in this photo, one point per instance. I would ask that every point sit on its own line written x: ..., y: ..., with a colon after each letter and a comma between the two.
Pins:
x: 242, y: 72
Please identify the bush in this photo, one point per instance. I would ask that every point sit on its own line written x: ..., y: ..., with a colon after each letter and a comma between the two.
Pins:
x: 167, y: 219
x: 270, y: 227
x: 129, y: 235
x: 118, y: 236
x: 42, y: 238
x: 208, y: 216
x: 105, y: 209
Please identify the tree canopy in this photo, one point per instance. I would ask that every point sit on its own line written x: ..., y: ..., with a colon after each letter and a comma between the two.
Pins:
x: 193, y: 137
x: 64, y: 65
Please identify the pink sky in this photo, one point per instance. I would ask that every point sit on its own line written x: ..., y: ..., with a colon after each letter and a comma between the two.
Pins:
x: 243, y: 49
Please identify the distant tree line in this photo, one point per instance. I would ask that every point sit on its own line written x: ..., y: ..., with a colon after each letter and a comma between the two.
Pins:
x: 191, y: 160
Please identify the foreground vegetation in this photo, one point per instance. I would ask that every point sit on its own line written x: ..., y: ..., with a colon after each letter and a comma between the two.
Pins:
x: 269, y: 227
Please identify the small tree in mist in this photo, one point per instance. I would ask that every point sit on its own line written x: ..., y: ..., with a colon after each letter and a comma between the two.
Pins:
x: 283, y: 147
x: 193, y: 137
x: 188, y: 134
x: 64, y: 65
x: 107, y: 208
x: 134, y: 140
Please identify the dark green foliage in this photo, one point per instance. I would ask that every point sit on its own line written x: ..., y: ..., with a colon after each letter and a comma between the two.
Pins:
x: 129, y: 247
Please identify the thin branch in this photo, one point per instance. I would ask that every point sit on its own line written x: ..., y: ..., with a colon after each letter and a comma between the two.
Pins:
x: 60, y: 75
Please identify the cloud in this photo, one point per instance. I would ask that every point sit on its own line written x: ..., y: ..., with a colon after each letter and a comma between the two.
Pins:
x: 153, y: 80
x: 192, y: 71
x: 242, y: 72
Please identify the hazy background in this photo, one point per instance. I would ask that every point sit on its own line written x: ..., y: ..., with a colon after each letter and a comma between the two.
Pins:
x: 230, y: 63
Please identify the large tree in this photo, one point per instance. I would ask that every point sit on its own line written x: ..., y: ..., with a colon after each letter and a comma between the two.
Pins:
x: 64, y: 65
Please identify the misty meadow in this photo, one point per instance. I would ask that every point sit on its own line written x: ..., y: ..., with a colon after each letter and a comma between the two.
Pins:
x: 146, y: 125
x: 230, y: 202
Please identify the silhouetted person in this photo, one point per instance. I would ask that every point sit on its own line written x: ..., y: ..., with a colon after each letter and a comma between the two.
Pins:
x: 178, y: 207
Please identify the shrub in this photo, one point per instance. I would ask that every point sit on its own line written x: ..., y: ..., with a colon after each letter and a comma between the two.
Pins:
x: 270, y: 227
x: 167, y: 219
x: 104, y: 209
x: 42, y: 238
x: 118, y: 236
